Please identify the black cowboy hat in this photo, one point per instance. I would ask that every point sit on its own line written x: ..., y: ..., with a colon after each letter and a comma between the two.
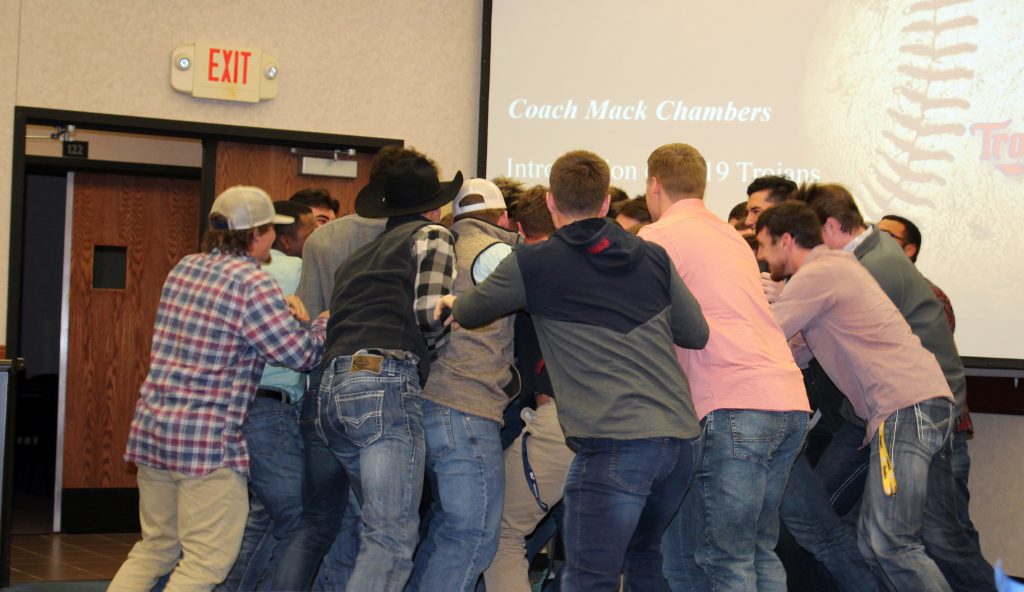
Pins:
x: 410, y: 187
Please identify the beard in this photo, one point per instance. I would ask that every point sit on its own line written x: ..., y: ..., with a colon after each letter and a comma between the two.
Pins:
x: 778, y: 273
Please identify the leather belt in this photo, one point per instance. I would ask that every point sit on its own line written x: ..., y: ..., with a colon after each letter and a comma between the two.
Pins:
x: 264, y: 393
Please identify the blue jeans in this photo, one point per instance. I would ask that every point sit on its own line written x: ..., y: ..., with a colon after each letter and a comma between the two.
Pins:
x: 842, y: 468
x: 724, y: 538
x: 620, y: 495
x: 275, y: 491
x: 809, y: 517
x: 947, y: 541
x: 324, y: 494
x: 895, y: 529
x: 466, y: 467
x: 961, y: 466
x: 341, y: 557
x: 370, y: 417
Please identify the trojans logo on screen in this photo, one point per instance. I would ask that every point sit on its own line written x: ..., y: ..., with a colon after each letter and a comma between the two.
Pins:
x: 1005, y: 148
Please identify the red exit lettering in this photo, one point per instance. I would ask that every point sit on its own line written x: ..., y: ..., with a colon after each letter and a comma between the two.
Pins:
x: 226, y: 70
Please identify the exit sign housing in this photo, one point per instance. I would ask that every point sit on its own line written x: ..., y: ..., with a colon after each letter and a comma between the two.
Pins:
x: 225, y: 72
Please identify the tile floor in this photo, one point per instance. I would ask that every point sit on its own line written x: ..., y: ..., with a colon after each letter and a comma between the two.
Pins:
x: 56, y: 557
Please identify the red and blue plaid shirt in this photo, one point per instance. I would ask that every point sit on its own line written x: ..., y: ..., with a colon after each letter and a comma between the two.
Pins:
x: 220, y: 319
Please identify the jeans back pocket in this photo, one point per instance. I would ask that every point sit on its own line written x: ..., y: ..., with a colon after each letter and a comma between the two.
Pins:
x: 359, y: 408
x: 934, y: 423
x: 635, y: 464
x: 265, y: 437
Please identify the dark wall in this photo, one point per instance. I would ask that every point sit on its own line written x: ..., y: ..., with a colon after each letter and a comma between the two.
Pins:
x: 990, y: 394
x: 44, y: 263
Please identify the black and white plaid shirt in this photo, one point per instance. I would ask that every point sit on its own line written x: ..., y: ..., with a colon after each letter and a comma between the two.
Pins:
x: 433, y: 248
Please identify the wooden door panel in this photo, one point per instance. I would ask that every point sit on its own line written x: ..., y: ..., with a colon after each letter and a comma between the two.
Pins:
x: 110, y: 330
x: 276, y: 170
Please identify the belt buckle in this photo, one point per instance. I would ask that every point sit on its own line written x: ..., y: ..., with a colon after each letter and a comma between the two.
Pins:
x: 366, y: 363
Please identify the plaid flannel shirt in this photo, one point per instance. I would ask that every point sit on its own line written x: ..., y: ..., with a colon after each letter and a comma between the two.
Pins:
x: 220, y: 318
x: 433, y: 248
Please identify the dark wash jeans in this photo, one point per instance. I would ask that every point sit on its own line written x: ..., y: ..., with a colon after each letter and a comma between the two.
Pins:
x: 842, y: 468
x: 325, y: 491
x: 620, y: 495
x: 809, y: 517
x: 953, y: 545
x: 275, y: 492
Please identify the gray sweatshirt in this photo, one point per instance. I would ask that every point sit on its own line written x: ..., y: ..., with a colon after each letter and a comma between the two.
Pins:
x: 607, y: 307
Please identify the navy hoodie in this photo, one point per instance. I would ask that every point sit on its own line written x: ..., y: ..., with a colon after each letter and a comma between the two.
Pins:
x: 607, y: 307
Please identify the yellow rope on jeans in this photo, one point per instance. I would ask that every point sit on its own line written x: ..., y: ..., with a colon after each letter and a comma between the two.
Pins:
x: 888, y: 472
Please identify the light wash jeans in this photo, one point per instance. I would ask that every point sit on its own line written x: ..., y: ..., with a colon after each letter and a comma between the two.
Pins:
x: 894, y: 529
x: 724, y: 536
x: 466, y: 470
x: 371, y: 420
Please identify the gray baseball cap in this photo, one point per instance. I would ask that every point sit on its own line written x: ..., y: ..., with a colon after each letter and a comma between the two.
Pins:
x: 245, y: 207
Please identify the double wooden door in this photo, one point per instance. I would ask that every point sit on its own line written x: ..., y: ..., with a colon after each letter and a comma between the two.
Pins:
x: 145, y: 225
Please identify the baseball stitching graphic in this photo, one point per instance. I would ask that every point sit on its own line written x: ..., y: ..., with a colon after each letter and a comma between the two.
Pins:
x: 910, y: 163
x: 916, y: 107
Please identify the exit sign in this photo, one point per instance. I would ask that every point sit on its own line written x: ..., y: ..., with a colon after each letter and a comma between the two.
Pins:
x: 220, y: 71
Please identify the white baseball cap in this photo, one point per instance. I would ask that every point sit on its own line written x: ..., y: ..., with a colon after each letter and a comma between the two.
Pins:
x: 245, y: 207
x: 476, y: 189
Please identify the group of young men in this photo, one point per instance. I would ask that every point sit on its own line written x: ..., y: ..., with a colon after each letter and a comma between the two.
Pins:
x: 679, y: 442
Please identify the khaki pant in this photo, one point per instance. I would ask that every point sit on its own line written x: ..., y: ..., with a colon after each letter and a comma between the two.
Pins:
x: 550, y: 459
x: 199, y: 520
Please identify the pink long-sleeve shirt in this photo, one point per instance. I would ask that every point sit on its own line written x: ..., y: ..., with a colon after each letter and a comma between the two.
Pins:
x: 746, y: 363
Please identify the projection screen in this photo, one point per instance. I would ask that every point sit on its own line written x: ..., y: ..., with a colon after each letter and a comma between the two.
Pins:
x: 916, y: 106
